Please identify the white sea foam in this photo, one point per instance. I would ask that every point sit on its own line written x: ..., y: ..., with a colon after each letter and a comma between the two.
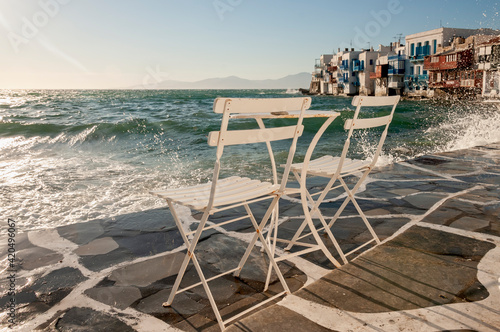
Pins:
x: 46, y: 188
x: 473, y: 129
x: 463, y: 129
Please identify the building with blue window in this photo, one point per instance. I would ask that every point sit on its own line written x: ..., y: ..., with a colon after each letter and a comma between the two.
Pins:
x: 489, y: 62
x: 349, y: 72
x: 322, y: 75
x: 422, y: 44
x: 367, y: 60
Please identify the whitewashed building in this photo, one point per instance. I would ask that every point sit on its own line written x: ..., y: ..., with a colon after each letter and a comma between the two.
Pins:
x: 489, y: 62
x: 419, y: 45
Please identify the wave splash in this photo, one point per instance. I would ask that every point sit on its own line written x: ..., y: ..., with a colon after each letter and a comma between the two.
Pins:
x: 69, y: 157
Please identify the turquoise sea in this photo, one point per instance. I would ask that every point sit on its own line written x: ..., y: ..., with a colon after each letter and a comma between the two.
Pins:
x: 69, y: 156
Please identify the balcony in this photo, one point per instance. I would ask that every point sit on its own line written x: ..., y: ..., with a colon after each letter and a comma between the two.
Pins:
x: 396, y: 58
x: 417, y: 80
x: 396, y: 85
x: 417, y: 58
x: 423, y: 77
x: 358, y: 65
x: 358, y: 68
x: 396, y: 71
x: 423, y: 50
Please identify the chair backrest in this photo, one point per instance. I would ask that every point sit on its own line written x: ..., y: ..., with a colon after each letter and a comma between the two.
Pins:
x: 228, y: 106
x: 365, y: 123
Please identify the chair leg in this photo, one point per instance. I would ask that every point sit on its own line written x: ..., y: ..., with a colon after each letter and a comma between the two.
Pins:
x: 208, y: 292
x: 257, y: 231
x: 332, y: 238
x: 315, y: 211
x: 258, y: 235
x: 190, y: 250
x: 348, y: 198
x: 178, y: 280
x: 270, y: 254
x: 360, y: 212
x: 273, y: 229
x: 318, y: 239
x: 300, y: 230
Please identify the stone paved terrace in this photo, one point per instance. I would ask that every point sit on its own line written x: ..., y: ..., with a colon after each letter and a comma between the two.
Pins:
x: 437, y: 269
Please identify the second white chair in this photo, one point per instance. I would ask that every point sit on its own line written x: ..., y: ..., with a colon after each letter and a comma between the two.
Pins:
x: 336, y: 169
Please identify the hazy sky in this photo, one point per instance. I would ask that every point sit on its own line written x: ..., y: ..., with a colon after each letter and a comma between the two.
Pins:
x: 122, y: 43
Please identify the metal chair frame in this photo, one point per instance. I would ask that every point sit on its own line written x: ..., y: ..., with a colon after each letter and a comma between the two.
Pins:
x: 336, y: 169
x: 235, y: 191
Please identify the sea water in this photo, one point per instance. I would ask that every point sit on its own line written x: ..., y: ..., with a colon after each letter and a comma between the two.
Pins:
x: 69, y: 156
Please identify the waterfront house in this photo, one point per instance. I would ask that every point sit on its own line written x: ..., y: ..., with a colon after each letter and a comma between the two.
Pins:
x: 488, y: 61
x: 396, y: 69
x: 455, y: 69
x: 364, y: 66
x: 348, y: 71
x: 452, y: 71
x: 321, y: 77
x: 380, y: 76
x: 390, y: 71
x: 426, y: 43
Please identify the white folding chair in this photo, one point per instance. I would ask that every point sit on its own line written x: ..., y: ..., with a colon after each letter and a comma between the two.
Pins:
x: 235, y: 191
x: 337, y: 169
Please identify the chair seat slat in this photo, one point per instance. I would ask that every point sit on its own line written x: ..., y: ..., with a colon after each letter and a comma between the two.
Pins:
x: 232, y: 190
x: 327, y: 165
x: 221, y: 195
x: 234, y: 137
x: 260, y: 105
x: 368, y: 123
x: 375, y: 101
x: 231, y: 181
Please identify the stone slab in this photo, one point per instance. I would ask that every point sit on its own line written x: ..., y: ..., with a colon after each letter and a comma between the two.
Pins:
x: 145, y: 273
x: 423, y: 201
x: 82, y: 233
x: 118, y: 297
x: 148, y: 244
x: 276, y: 318
x: 80, y: 319
x: 99, y: 246
x: 35, y: 257
x: 182, y: 307
x: 143, y: 221
x: 470, y: 224
x: 420, y: 268
x: 442, y: 216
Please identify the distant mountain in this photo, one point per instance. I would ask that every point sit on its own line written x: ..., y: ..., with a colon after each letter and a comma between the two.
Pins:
x: 301, y: 80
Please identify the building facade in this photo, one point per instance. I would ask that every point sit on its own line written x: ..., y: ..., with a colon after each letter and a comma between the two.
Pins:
x: 453, y: 71
x: 422, y: 44
x: 488, y: 62
x: 446, y: 59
